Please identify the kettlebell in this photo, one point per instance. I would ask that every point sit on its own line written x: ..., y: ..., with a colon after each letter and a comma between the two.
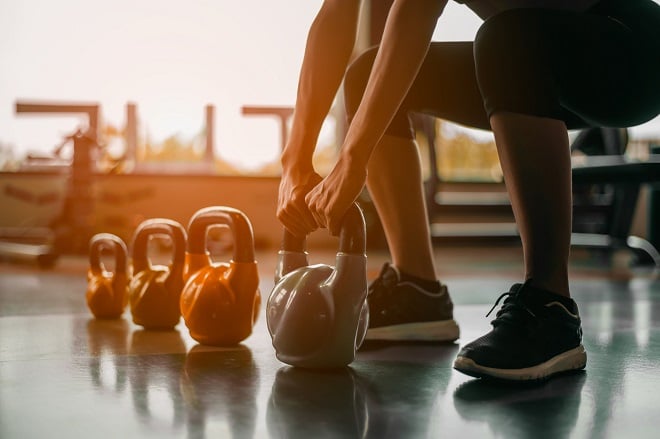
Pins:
x: 154, y: 290
x: 317, y: 315
x: 220, y: 301
x: 107, y: 293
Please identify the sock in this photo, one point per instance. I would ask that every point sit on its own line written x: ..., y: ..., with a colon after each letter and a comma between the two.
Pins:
x: 432, y: 286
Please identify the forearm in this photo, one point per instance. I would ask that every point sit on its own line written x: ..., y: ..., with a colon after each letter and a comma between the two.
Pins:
x: 329, y: 46
x: 406, y: 39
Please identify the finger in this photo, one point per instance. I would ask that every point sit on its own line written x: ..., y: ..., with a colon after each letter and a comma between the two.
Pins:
x: 318, y: 214
x: 299, y: 209
x: 290, y: 222
x: 306, y: 218
x: 298, y: 228
x: 297, y: 234
x: 334, y: 227
x: 296, y: 215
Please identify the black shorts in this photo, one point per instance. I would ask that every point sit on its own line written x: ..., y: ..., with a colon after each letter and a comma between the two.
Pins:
x: 594, y: 68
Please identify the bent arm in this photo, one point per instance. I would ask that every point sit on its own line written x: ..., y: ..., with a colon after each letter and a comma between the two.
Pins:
x: 330, y: 43
x: 406, y: 40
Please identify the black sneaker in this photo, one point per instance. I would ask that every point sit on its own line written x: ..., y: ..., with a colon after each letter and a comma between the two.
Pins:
x: 404, y: 311
x: 534, y: 336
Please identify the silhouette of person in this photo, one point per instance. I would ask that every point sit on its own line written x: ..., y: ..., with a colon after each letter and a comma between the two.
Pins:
x: 535, y: 69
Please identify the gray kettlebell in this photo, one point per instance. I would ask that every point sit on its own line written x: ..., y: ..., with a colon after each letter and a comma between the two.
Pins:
x: 317, y: 315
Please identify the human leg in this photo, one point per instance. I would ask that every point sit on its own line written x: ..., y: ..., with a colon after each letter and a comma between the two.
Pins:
x: 537, y: 333
x: 406, y: 300
x: 395, y: 185
x: 538, y: 180
x: 560, y: 68
x: 537, y: 71
x: 445, y: 87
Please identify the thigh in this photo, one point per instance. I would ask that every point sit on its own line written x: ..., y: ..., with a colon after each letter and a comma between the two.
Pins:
x: 445, y: 87
x: 583, y: 68
x: 605, y: 73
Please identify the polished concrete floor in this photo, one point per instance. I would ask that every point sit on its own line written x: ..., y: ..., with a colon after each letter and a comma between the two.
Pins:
x: 64, y: 374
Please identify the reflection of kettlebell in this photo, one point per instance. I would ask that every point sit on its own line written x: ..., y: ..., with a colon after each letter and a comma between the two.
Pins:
x: 220, y: 387
x: 220, y: 301
x: 107, y: 293
x: 154, y: 290
x: 318, y: 315
x: 155, y: 362
x: 307, y: 403
x: 107, y: 349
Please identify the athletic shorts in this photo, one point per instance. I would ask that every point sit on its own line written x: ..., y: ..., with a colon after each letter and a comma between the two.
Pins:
x: 595, y: 68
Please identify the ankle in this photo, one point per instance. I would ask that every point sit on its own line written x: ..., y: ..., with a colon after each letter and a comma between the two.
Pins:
x: 546, y: 295
x: 430, y: 285
x: 560, y: 288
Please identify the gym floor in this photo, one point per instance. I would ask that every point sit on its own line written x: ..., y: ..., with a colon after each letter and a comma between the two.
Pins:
x: 65, y: 374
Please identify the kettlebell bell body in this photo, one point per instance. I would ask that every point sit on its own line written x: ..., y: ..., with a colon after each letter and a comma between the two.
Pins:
x: 155, y: 290
x: 107, y: 292
x: 318, y: 315
x: 220, y: 302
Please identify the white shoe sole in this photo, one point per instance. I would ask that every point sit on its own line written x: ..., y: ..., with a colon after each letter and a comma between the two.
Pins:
x: 443, y: 330
x: 575, y: 359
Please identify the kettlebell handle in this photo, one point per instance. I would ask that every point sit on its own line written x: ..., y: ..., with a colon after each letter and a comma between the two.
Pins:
x: 293, y: 243
x: 113, y: 243
x: 352, y: 236
x: 237, y: 222
x: 158, y: 226
x: 353, y: 233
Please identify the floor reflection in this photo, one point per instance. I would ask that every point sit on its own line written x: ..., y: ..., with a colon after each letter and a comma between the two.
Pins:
x: 548, y: 410
x: 80, y: 376
x: 154, y: 378
x: 406, y: 381
x: 320, y: 404
x: 221, y: 385
x: 107, y: 342
x: 170, y: 388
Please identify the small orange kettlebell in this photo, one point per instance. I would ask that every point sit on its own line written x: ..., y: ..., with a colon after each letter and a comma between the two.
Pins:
x: 107, y: 292
x: 154, y: 290
x: 220, y: 301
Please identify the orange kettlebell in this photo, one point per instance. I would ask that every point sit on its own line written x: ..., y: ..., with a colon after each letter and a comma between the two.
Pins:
x: 220, y: 301
x: 107, y: 292
x: 154, y: 290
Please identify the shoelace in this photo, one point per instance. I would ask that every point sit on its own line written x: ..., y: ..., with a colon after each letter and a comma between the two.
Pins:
x: 513, y: 311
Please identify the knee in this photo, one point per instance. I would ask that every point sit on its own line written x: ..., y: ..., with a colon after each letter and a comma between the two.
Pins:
x: 356, y: 78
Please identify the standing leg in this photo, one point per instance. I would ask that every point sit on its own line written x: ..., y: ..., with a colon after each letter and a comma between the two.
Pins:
x: 406, y: 301
x: 395, y: 184
x: 537, y: 331
x: 539, y: 71
x: 445, y: 87
x: 535, y: 157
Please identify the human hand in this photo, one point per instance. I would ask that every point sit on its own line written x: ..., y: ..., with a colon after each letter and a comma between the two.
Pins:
x: 329, y: 200
x: 292, y: 210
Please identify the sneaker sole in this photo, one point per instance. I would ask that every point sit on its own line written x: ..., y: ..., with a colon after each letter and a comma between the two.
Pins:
x: 444, y: 330
x: 575, y: 359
